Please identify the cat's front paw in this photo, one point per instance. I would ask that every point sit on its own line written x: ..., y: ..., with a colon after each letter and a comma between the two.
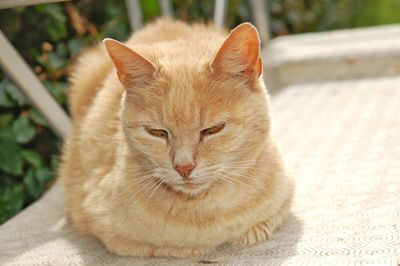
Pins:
x: 125, y: 247
x: 256, y: 235
x: 181, y: 252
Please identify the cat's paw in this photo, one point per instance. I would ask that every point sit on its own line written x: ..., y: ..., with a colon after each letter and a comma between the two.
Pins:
x: 261, y: 232
x: 125, y: 247
x: 256, y: 235
x: 181, y: 252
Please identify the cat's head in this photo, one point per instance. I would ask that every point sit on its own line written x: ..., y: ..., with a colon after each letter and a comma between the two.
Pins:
x: 196, y: 116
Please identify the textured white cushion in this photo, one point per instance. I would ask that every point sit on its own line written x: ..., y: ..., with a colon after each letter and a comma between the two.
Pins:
x: 342, y: 140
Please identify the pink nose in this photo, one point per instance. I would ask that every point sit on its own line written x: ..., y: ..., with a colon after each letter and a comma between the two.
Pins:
x: 184, y: 170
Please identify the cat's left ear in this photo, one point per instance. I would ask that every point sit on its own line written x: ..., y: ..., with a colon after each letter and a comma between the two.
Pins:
x: 132, y: 68
x: 239, y: 55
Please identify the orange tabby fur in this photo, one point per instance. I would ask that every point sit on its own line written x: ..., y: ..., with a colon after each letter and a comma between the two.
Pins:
x: 119, y: 180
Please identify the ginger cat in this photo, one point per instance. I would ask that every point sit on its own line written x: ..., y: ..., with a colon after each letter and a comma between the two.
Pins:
x: 171, y: 152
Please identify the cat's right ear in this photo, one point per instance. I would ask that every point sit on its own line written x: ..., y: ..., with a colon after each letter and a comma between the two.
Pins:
x: 132, y: 68
x: 239, y: 55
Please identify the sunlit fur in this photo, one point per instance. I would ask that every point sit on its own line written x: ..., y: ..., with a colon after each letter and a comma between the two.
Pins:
x: 119, y: 180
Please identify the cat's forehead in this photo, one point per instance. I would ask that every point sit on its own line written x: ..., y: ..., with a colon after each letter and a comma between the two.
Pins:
x: 181, y: 53
x: 196, y: 104
x: 186, y: 93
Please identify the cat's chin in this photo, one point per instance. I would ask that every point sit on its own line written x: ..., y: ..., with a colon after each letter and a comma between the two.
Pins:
x: 190, y: 189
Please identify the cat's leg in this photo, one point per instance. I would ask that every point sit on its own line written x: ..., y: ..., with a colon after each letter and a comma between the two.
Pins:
x: 257, y: 234
x: 261, y: 232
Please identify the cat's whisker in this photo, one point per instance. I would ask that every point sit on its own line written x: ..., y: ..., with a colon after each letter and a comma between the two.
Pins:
x: 159, y: 181
x: 251, y: 177
x: 242, y: 174
x: 236, y: 162
x: 124, y: 212
x: 138, y: 181
x: 249, y: 193
x: 147, y: 188
x: 135, y: 182
x: 158, y: 185
x: 129, y: 186
x: 239, y: 163
x: 143, y: 173
x: 239, y: 182
x: 140, y: 166
x: 247, y: 168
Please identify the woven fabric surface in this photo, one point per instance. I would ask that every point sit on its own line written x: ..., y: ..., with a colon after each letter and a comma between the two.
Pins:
x: 342, y: 141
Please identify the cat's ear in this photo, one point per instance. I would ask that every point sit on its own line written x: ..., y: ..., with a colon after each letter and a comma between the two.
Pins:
x: 239, y: 55
x: 132, y: 68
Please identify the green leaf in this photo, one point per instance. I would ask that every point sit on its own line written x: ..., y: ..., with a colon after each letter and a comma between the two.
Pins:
x: 6, y: 119
x: 56, y: 62
x: 56, y: 12
x: 36, y: 181
x: 61, y: 49
x: 40, y: 8
x: 56, y: 30
x: 11, y: 201
x: 33, y: 158
x: 9, y: 93
x: 5, y: 181
x: 10, y: 153
x: 150, y: 8
x: 23, y: 130
x: 117, y: 29
x: 75, y: 45
x: 43, y: 175
x: 57, y: 89
x: 5, y: 100
x: 36, y: 117
x: 15, y: 93
x: 32, y: 185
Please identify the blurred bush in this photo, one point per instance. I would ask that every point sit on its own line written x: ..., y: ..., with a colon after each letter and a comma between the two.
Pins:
x: 50, y: 37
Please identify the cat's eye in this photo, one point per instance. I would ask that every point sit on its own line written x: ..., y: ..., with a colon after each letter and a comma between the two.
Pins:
x: 212, y: 130
x: 157, y: 132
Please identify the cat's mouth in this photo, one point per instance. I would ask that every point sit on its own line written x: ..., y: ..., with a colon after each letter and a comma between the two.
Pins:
x: 188, y: 187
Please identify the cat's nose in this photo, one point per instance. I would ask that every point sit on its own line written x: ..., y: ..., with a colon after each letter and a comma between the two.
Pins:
x: 184, y: 169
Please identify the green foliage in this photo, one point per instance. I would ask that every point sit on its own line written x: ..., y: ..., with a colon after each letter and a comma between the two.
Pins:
x: 10, y: 153
x: 25, y: 169
x: 23, y: 130
x: 11, y: 200
x: 293, y: 16
x: 50, y: 37
x: 372, y: 12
